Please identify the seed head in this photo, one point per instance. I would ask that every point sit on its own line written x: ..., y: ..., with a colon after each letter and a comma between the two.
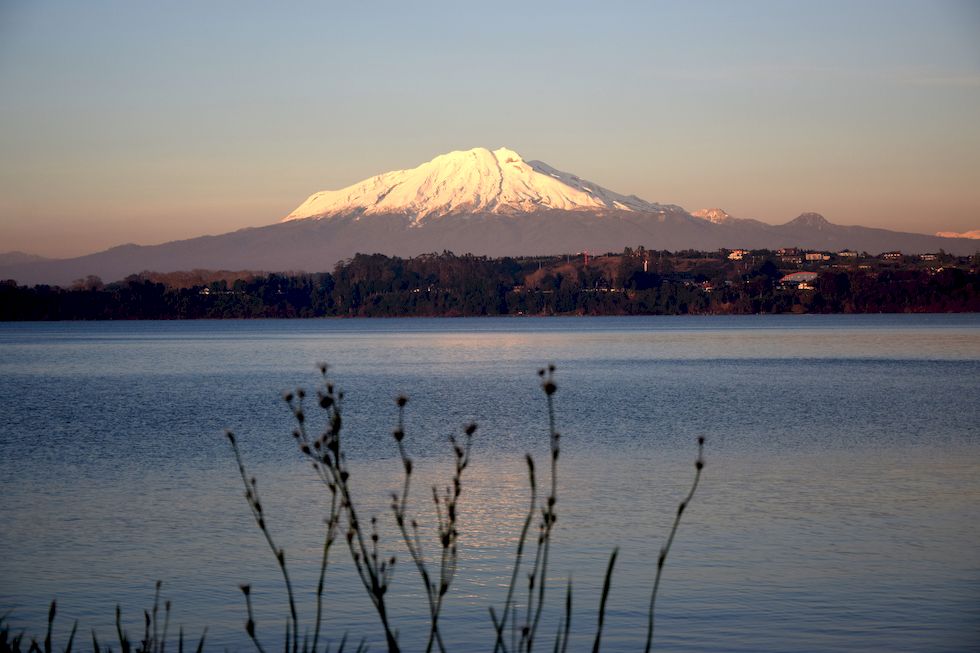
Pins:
x: 401, y: 401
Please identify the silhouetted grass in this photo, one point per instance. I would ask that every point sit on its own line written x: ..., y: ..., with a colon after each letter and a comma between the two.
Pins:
x: 516, y: 627
x: 516, y: 624
x: 154, y: 639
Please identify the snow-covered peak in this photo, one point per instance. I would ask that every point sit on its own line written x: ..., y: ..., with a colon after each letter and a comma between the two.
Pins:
x: 973, y: 235
x: 470, y: 181
x: 713, y: 215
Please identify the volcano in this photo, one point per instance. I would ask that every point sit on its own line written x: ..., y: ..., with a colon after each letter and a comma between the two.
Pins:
x: 477, y: 201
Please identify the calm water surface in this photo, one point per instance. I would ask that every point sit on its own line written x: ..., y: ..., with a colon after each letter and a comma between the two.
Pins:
x: 839, y: 509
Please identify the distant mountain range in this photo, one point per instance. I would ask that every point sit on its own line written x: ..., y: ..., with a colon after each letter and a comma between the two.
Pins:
x: 475, y: 201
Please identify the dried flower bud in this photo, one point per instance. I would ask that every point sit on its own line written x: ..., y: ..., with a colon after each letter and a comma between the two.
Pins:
x: 288, y: 397
x: 300, y: 392
x: 549, y: 387
x: 398, y: 434
x: 699, y: 465
x: 401, y: 401
x: 471, y: 429
x: 245, y: 589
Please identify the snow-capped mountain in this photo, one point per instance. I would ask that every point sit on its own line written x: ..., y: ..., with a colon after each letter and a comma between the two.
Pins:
x: 474, y: 201
x: 471, y: 181
x: 717, y: 216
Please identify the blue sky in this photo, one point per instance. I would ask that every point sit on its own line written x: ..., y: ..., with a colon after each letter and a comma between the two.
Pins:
x: 146, y: 122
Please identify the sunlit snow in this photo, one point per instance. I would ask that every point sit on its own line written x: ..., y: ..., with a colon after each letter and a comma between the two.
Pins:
x: 472, y: 181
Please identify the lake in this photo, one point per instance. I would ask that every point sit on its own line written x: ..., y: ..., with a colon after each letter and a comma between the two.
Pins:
x: 839, y: 508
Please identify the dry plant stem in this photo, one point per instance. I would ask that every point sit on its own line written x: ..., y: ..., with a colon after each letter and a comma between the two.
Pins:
x: 548, y: 512
x: 255, y: 504
x: 71, y: 637
x: 250, y: 624
x: 561, y: 636
x: 47, y: 637
x: 602, y: 601
x: 166, y: 625
x: 509, y: 607
x: 123, y: 639
x: 327, y: 542
x: 328, y: 460
x: 568, y: 616
x: 698, y: 466
x: 447, y: 515
x: 313, y: 452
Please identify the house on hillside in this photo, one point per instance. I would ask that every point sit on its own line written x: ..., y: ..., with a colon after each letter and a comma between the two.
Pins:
x: 798, y: 280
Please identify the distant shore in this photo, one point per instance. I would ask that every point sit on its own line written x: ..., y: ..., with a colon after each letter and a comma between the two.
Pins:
x: 634, y: 282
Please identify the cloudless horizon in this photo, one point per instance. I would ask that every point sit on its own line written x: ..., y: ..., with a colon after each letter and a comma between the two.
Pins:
x: 129, y: 122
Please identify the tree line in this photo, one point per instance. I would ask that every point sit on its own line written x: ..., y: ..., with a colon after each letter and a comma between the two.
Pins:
x: 634, y: 282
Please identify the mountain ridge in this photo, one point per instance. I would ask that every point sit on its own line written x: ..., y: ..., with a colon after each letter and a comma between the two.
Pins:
x: 473, y: 201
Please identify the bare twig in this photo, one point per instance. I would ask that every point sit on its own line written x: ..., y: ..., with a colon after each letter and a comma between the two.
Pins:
x: 698, y: 466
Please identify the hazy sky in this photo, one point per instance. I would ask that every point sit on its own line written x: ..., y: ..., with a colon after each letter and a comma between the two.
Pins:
x: 144, y: 122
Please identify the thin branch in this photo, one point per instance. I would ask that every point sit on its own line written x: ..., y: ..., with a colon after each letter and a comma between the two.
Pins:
x: 698, y: 466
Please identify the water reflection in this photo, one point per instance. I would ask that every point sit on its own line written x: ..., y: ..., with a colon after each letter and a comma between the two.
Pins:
x: 839, y: 505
